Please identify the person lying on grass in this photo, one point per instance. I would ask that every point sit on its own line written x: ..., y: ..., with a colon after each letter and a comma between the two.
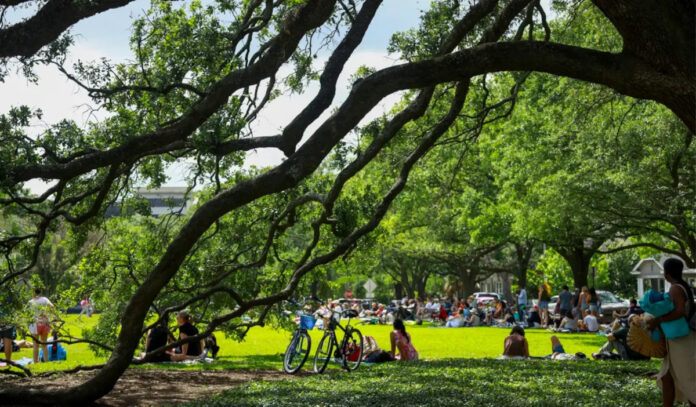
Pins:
x: 516, y: 345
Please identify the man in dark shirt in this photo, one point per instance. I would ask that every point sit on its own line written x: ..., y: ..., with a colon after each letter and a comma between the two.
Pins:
x: 156, y: 338
x: 192, y: 348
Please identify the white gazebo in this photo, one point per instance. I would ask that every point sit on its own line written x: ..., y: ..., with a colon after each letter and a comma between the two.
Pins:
x: 650, y: 275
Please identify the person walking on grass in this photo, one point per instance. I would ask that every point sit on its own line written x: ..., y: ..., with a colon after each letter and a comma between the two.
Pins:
x: 41, y: 326
x: 677, y: 376
x: 86, y: 306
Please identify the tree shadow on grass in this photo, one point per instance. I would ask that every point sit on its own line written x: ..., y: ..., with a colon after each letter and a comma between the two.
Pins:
x: 468, y: 382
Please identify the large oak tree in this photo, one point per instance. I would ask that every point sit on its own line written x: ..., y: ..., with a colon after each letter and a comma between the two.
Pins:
x: 201, y: 76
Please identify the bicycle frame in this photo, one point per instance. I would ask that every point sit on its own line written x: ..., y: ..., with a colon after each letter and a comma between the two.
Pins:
x: 331, y: 328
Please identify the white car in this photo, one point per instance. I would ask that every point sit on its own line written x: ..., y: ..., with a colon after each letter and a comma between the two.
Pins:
x: 485, y: 298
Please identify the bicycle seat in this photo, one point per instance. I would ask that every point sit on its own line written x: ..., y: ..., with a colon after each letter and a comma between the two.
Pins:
x: 350, y: 313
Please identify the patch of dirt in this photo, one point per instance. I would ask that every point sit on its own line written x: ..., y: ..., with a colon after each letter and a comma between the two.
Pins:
x: 146, y: 387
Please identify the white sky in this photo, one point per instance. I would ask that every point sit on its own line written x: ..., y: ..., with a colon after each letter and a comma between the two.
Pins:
x: 107, y: 35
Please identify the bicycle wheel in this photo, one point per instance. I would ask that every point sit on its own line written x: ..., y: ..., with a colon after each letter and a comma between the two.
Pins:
x: 353, y: 343
x: 323, y: 355
x: 297, y: 352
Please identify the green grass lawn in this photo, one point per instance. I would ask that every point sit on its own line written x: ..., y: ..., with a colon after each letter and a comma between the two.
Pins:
x: 459, y: 382
x: 456, y: 369
x: 263, y: 347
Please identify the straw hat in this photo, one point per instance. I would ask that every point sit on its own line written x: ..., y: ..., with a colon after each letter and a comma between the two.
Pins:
x: 640, y: 339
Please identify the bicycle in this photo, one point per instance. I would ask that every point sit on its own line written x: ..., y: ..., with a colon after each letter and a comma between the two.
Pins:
x: 300, y: 345
x: 352, y: 342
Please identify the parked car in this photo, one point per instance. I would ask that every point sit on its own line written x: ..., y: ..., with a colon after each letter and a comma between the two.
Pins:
x: 485, y: 298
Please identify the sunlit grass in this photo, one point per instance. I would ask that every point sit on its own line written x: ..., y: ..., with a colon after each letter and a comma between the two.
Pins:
x: 263, y: 347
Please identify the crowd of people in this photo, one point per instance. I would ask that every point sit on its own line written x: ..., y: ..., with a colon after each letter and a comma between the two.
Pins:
x: 578, y: 310
x: 574, y: 312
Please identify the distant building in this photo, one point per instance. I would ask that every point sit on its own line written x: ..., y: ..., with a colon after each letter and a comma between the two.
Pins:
x: 162, y: 201
x: 650, y: 275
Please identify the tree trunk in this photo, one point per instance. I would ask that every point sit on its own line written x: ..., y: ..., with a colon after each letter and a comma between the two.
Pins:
x: 398, y: 291
x: 523, y: 253
x: 468, y: 280
x: 507, y: 288
x: 578, y: 258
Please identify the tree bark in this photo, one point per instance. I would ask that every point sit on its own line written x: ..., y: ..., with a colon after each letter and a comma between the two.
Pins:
x: 578, y: 258
x: 24, y: 39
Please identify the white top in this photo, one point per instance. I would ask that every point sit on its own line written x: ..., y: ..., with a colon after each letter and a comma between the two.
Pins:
x: 37, y: 304
x: 522, y: 298
x: 591, y: 322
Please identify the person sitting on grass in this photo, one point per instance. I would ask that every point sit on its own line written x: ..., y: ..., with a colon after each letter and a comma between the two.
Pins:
x: 534, y: 320
x: 56, y: 351
x: 401, y: 341
x: 616, y: 341
x: 516, y: 345
x: 633, y: 309
x: 456, y: 321
x: 508, y: 319
x: 569, y: 323
x: 589, y: 324
x: 156, y: 338
x: 186, y: 329
x: 473, y: 318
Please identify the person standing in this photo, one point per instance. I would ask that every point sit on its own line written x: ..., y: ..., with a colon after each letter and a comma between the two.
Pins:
x: 521, y: 303
x: 584, y: 301
x: 565, y: 301
x: 41, y: 326
x: 593, y: 302
x: 544, y: 299
x: 87, y: 306
x: 677, y: 376
x: 8, y: 332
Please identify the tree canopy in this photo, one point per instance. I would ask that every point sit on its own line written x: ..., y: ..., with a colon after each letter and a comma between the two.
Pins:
x: 199, y: 77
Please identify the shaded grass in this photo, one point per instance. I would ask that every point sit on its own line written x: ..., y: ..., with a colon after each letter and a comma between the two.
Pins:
x: 460, y: 382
